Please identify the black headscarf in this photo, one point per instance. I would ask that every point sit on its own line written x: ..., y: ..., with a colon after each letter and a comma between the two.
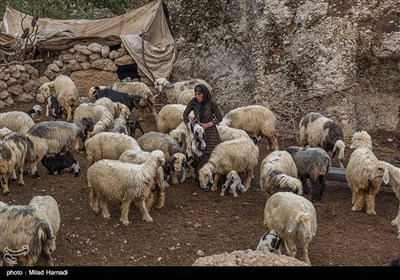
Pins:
x: 206, y: 98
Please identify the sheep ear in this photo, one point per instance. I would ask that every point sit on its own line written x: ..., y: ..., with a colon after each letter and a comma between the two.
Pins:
x: 386, y: 176
x: 296, y: 220
x: 211, y: 176
x: 353, y: 145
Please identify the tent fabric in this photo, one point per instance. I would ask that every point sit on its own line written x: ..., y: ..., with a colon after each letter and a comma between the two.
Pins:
x: 62, y: 34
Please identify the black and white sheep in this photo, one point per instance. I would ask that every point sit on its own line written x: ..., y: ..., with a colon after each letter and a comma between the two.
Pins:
x: 316, y: 130
x: 312, y: 163
x: 24, y: 228
x: 233, y: 180
x: 55, y: 164
x: 278, y: 172
x: 35, y: 111
x: 294, y: 220
x: 270, y: 242
x: 54, y: 107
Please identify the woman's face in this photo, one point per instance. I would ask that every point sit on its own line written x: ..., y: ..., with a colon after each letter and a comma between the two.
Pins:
x: 199, y: 96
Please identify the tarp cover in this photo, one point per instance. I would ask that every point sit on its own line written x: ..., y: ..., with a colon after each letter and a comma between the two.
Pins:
x: 149, y: 20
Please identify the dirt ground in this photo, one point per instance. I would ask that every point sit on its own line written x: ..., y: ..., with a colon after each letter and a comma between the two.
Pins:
x: 194, y: 220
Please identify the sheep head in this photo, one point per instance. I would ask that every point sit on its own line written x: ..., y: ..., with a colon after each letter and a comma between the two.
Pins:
x: 206, y: 175
x: 361, y: 139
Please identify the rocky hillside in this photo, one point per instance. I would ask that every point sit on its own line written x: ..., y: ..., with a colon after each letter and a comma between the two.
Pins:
x: 292, y: 55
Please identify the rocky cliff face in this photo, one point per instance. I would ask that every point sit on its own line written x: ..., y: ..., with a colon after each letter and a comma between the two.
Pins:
x: 295, y: 56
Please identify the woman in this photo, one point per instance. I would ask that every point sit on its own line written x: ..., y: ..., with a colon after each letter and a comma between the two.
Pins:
x: 207, y: 112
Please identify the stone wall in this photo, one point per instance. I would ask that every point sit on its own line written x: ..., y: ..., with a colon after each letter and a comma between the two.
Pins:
x: 256, y: 52
x: 86, y: 65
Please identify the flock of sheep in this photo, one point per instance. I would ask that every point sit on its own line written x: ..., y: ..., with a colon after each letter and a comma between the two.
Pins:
x: 124, y: 169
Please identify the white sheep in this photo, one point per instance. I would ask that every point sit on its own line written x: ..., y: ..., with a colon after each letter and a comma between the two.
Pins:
x: 53, y: 137
x: 65, y: 91
x: 364, y: 173
x: 119, y: 126
x: 233, y: 180
x: 174, y: 154
x: 104, y: 124
x: 239, y: 154
x: 316, y: 130
x: 394, y: 182
x: 169, y: 117
x: 173, y: 90
x: 108, y: 145
x: 255, y: 120
x: 227, y: 133
x: 48, y: 208
x: 278, y: 172
x: 138, y: 157
x: 91, y: 110
x: 16, y: 121
x: 116, y: 181
x: 294, y: 220
x: 185, y: 96
x: 26, y: 233
x: 117, y: 109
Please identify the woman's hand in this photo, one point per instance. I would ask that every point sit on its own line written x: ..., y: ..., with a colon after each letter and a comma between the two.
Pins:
x: 207, y: 125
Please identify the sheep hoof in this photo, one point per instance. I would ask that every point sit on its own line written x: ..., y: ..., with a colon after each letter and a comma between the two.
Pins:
x: 371, y: 212
x: 235, y: 195
x: 21, y: 184
x: 396, y: 222
x: 213, y: 189
x: 159, y: 206
x: 106, y: 216
x: 13, y: 179
x: 149, y: 219
x: 6, y: 192
x: 355, y: 209
x: 95, y: 209
x: 124, y: 222
x: 36, y: 175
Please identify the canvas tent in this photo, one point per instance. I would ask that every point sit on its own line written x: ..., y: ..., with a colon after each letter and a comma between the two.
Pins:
x: 143, y: 31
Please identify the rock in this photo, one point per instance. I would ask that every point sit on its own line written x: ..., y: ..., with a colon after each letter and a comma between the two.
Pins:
x: 105, y: 64
x: 85, y: 79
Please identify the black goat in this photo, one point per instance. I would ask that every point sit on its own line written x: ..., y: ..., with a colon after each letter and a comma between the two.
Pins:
x: 132, y: 125
x: 118, y: 96
x: 56, y: 164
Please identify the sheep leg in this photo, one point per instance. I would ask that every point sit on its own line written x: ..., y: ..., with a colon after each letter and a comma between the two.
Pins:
x: 316, y: 189
x: 124, y: 212
x: 371, y: 199
x: 143, y: 210
x: 305, y: 185
x: 154, y: 113
x: 224, y: 187
x: 174, y: 178
x: 305, y: 254
x: 249, y: 176
x: 396, y: 221
x: 273, y: 143
x: 20, y: 176
x: 4, y: 184
x: 183, y: 175
x: 358, y: 201
x: 69, y: 113
x: 233, y: 189
x: 149, y: 201
x: 161, y: 199
x: 94, y: 201
x: 292, y: 248
x: 47, y: 110
x: 215, y: 184
x: 104, y: 208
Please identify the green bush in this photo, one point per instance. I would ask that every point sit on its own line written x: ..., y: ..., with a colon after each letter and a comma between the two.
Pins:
x: 69, y: 9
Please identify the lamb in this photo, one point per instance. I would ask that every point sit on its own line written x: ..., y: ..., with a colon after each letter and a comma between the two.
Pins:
x: 195, y: 139
x: 138, y: 157
x: 35, y: 111
x: 108, y: 145
x: 239, y: 154
x: 294, y: 220
x: 132, y: 125
x: 53, y: 138
x: 174, y: 154
x: 119, y: 126
x: 364, y: 173
x: 234, y: 181
x: 25, y: 229
x: 317, y: 130
x: 312, y: 163
x: 279, y: 173
x: 139, y: 89
x: 394, y: 182
x: 255, y: 120
x: 169, y: 117
x: 112, y: 180
x: 65, y: 92
x: 173, y: 90
x: 270, y: 242
x: 53, y: 106
x: 16, y: 121
x: 117, y: 109
x: 57, y: 163
x: 13, y: 152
